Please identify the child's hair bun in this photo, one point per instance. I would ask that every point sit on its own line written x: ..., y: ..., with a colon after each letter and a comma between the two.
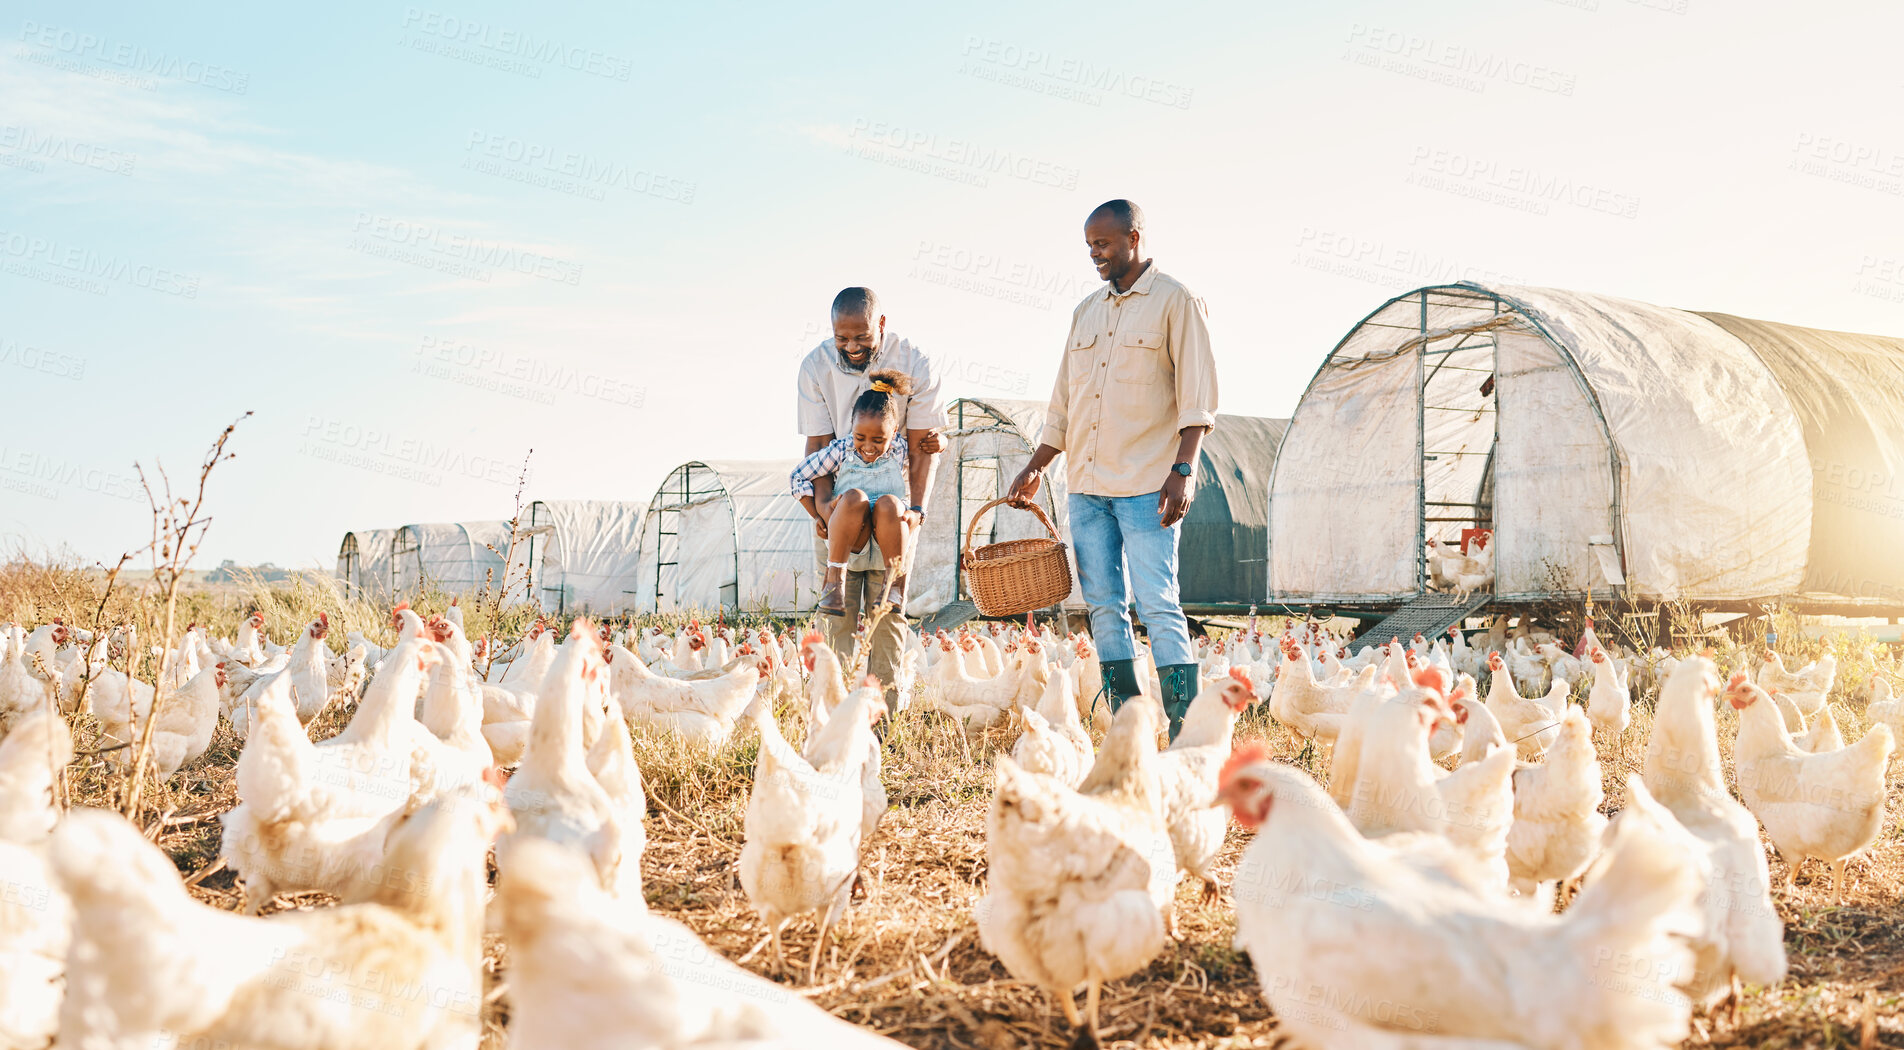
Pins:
x: 882, y: 398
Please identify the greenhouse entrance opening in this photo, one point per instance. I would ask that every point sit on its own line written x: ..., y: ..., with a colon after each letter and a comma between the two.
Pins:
x: 695, y: 546
x: 1446, y: 412
x: 1458, y: 439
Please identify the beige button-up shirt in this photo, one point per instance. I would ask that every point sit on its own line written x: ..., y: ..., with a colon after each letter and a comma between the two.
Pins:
x: 1137, y: 370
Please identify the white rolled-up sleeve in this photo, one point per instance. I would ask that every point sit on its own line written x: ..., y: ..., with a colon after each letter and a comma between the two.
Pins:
x: 814, y: 417
x: 926, y: 408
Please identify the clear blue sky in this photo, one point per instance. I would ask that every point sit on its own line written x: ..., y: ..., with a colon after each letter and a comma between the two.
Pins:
x: 418, y: 240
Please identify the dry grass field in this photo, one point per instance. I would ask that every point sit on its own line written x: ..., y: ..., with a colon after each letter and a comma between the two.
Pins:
x: 907, y: 961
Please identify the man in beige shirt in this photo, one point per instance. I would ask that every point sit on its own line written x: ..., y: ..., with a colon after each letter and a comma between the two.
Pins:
x: 1136, y: 392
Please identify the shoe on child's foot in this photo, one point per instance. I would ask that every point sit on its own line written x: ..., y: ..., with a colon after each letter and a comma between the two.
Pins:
x: 896, y: 594
x: 833, y: 598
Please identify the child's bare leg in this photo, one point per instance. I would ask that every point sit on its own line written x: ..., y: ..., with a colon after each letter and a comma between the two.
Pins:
x: 889, y: 528
x: 848, y: 526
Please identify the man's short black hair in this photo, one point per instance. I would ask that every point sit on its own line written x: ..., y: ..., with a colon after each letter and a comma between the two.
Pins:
x: 1126, y: 213
x: 856, y: 302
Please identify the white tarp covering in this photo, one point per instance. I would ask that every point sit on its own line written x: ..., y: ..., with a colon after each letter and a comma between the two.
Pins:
x: 1714, y: 484
x: 1553, y: 483
x: 727, y: 535
x: 586, y: 553
x: 458, y: 557
x: 363, y: 563
x: 1716, y: 489
x: 1344, y: 501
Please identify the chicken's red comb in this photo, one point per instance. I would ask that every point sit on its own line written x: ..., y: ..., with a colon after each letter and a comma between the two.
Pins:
x: 1242, y: 676
x: 400, y: 606
x: 871, y: 682
x: 1247, y: 753
x: 322, y: 617
x: 810, y: 637
x: 1429, y: 677
x: 1738, y: 679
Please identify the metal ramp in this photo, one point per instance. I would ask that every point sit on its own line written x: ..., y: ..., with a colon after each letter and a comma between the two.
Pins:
x: 1429, y: 615
x: 950, y: 615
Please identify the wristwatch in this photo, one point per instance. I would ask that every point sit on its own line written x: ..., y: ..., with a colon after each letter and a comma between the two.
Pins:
x: 1184, y: 469
x: 921, y: 511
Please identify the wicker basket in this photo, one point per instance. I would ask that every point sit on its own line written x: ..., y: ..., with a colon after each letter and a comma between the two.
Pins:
x: 1017, y: 576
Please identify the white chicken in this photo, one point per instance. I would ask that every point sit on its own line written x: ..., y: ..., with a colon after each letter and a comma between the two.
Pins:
x: 22, y: 690
x: 553, y: 794
x: 1885, y: 708
x: 1828, y: 806
x: 587, y: 972
x: 975, y: 702
x: 1353, y: 948
x: 34, y: 917
x: 1313, y: 710
x: 1822, y: 735
x: 1081, y: 881
x: 1054, y: 742
x: 317, y: 816
x: 701, y: 712
x: 1187, y: 777
x: 187, y: 719
x: 1397, y: 788
x: 1742, y: 937
x: 1531, y: 726
x: 805, y: 819
x: 150, y: 966
x: 1609, y: 701
x: 1557, y: 822
x: 309, y: 678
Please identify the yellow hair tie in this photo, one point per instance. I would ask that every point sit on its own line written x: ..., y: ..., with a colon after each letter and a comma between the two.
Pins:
x: 882, y: 387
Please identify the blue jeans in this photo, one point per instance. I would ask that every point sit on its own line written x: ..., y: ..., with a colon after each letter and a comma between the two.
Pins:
x: 1116, y: 537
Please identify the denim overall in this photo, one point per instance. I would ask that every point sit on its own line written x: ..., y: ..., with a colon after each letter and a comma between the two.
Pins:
x: 885, y: 476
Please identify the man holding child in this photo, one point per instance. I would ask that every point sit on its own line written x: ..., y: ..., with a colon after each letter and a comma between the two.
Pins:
x: 870, y: 409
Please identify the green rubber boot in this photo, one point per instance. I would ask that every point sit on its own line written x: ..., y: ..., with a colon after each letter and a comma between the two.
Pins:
x: 1179, y: 685
x: 1120, y: 682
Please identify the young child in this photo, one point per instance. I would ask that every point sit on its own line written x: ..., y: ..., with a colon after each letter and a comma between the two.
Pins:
x: 870, y: 486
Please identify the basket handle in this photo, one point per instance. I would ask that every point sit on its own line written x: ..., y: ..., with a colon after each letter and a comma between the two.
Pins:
x: 1032, y: 506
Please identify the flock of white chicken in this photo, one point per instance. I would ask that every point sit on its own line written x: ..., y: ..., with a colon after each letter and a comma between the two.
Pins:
x: 1402, y: 905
